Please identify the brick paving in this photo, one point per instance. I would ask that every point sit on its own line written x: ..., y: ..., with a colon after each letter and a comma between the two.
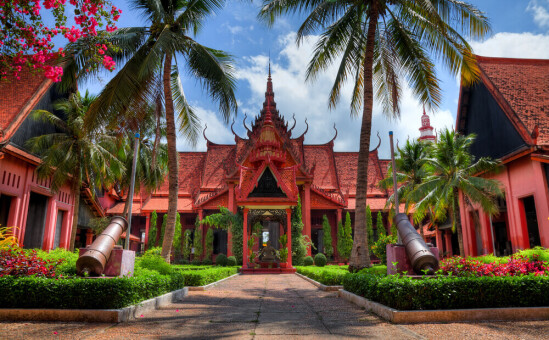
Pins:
x: 269, y: 307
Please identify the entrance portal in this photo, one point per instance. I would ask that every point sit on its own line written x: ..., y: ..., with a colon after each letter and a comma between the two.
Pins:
x: 36, y: 221
x: 270, y: 233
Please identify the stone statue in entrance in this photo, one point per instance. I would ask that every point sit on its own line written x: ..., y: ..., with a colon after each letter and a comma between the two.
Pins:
x: 268, y: 253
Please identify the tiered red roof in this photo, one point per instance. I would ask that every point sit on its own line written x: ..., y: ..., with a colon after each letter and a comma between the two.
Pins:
x: 521, y: 88
x: 204, y: 177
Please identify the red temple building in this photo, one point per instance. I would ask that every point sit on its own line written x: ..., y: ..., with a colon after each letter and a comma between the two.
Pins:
x: 262, y: 175
x: 42, y: 218
x: 508, y: 110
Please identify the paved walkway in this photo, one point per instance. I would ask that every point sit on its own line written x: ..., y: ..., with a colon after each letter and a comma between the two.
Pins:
x: 269, y: 307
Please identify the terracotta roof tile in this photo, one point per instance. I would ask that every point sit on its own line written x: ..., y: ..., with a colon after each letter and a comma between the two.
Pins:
x: 15, y: 100
x: 346, y: 163
x: 160, y: 204
x: 321, y: 158
x: 524, y: 84
x: 219, y: 159
x: 190, y: 171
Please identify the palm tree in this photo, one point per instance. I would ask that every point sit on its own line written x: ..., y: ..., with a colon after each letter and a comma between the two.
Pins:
x: 383, y: 45
x: 454, y: 169
x: 148, y: 74
x: 74, y: 153
x: 152, y: 160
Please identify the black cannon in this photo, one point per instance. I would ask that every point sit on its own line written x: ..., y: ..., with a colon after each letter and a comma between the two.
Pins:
x: 421, y: 258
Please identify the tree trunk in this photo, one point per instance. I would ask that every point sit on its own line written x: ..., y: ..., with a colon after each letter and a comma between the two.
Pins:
x: 173, y: 162
x: 360, y: 255
x: 76, y: 193
x: 158, y: 113
x: 457, y: 221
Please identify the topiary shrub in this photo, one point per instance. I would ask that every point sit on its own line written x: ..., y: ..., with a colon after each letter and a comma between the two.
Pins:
x: 154, y: 262
x: 231, y: 261
x: 308, y: 261
x: 221, y: 260
x: 320, y: 260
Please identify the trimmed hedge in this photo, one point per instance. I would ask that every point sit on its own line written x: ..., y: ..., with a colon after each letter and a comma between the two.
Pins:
x: 80, y: 293
x: 207, y: 276
x: 451, y: 292
x: 31, y: 292
x: 333, y: 275
x: 320, y: 260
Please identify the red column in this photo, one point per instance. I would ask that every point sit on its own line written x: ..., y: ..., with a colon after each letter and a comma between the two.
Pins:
x: 147, y: 226
x: 449, y: 243
x: 307, y: 213
x: 439, y: 242
x: 232, y: 208
x: 49, y: 230
x: 245, y: 239
x: 289, y: 233
x: 201, y: 230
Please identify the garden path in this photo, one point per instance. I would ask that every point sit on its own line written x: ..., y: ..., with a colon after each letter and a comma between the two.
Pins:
x: 269, y: 307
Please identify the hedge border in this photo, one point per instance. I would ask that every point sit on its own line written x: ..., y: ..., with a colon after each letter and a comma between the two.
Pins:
x: 446, y: 315
x: 320, y: 286
x: 93, y: 315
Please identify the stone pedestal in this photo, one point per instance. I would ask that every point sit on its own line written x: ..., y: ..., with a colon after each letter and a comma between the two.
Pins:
x: 396, y: 253
x: 121, y: 262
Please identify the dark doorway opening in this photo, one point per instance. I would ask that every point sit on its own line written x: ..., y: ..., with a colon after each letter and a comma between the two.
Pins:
x: 270, y: 233
x: 455, y: 244
x: 220, y: 241
x: 502, y: 243
x: 317, y: 237
x: 531, y: 221
x: 5, y: 205
x: 36, y: 221
x: 58, y: 228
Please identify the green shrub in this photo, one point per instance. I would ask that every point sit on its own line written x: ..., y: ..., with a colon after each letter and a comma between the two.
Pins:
x: 196, y: 262
x: 231, y: 261
x: 154, y: 262
x: 541, y: 253
x: 375, y: 270
x: 67, y: 267
x: 221, y: 260
x: 380, y: 247
x: 327, y: 237
x: 451, y: 292
x: 331, y: 275
x: 308, y: 261
x: 79, y: 293
x: 153, y: 251
x: 207, y: 262
x: 320, y: 260
x: 206, y: 276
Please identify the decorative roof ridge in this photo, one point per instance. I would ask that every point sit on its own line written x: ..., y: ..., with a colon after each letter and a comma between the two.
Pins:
x: 335, y: 197
x: 501, y: 60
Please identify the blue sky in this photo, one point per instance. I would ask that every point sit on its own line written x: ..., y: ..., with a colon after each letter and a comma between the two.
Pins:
x: 520, y: 29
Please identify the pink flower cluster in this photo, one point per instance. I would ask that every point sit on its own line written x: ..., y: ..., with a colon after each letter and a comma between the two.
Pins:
x: 15, y: 262
x: 23, y: 33
x: 516, y: 266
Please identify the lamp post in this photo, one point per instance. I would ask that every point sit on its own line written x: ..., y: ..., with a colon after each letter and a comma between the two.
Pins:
x: 130, y: 193
x: 395, y: 187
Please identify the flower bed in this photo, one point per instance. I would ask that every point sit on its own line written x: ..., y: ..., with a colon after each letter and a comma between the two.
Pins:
x: 516, y: 265
x: 451, y: 292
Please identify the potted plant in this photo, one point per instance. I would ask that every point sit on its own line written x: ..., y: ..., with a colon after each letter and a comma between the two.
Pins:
x: 251, y: 255
x: 283, y: 252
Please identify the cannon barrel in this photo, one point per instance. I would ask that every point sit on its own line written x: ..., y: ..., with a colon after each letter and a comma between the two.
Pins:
x: 93, y: 261
x: 421, y: 258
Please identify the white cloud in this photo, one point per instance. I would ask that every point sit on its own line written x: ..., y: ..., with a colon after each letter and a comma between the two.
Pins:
x: 309, y: 100
x: 217, y: 131
x: 514, y: 45
x: 540, y: 11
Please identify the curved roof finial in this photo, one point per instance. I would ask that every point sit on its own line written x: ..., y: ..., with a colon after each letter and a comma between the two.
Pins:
x: 335, y: 134
x: 204, y: 133
x: 234, y: 133
x: 307, y: 129
x: 289, y: 131
x: 244, y: 122
x: 378, y: 144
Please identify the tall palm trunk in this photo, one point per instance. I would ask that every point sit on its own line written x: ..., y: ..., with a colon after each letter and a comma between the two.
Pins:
x: 173, y: 161
x: 360, y: 255
x: 457, y: 221
x: 158, y: 112
x: 76, y: 192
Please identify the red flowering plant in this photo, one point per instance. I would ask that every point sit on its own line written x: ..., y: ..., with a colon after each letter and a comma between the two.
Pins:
x: 515, y: 266
x: 26, y: 41
x: 18, y: 263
